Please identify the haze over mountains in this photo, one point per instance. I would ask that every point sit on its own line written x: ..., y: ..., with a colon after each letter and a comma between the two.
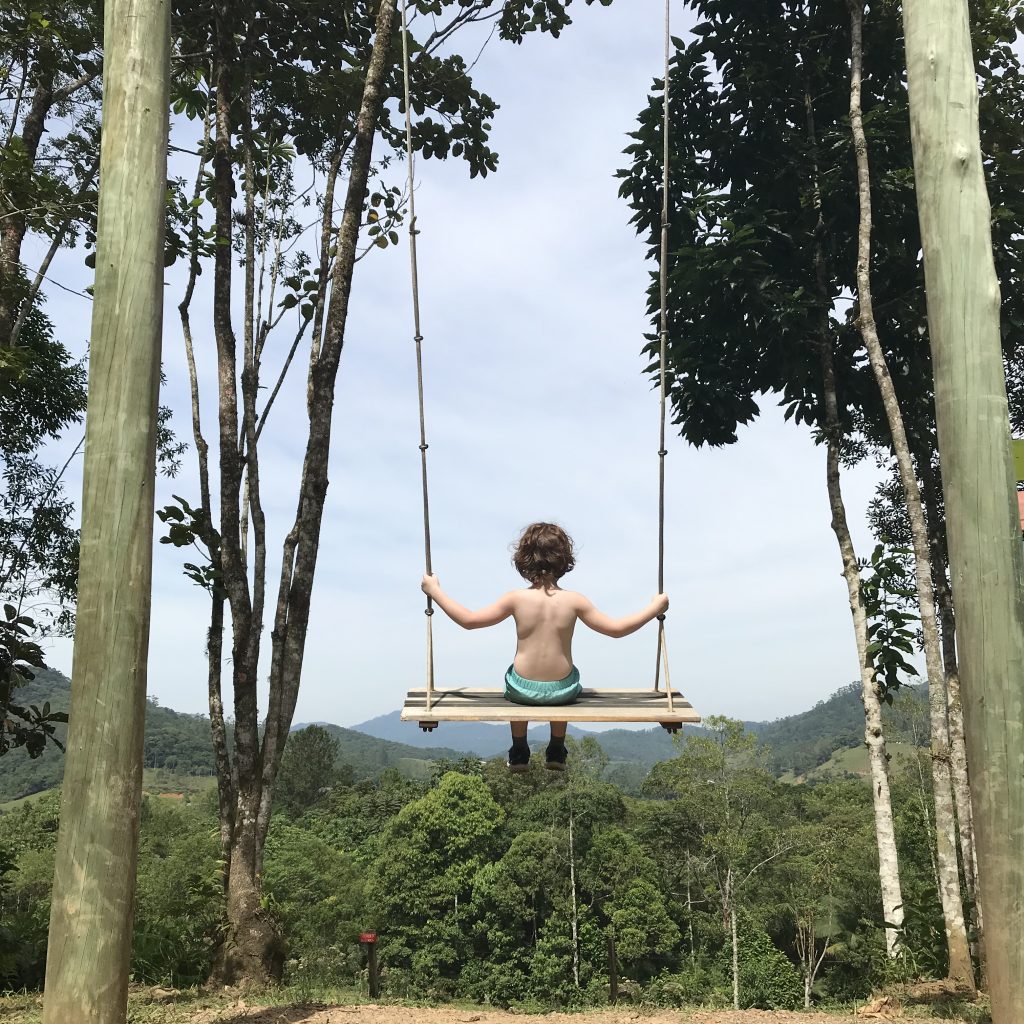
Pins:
x: 179, y: 744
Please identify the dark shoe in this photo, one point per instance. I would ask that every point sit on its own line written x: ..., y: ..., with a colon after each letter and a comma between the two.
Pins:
x: 518, y: 757
x: 555, y: 755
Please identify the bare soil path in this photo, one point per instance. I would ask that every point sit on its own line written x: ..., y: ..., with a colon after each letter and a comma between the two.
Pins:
x: 242, y: 1013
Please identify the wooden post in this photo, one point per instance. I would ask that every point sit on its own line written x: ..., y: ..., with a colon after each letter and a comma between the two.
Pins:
x: 986, y: 556
x: 613, y: 969
x: 369, y: 940
x: 94, y: 880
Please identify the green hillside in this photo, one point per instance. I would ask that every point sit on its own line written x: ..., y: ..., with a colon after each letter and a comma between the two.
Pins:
x: 802, y: 743
x: 826, y: 740
x: 177, y: 748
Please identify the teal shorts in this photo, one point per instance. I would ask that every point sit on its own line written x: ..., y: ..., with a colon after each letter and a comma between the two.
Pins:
x: 530, y: 691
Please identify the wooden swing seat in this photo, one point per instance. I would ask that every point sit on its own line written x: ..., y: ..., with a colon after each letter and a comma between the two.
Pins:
x: 465, y: 705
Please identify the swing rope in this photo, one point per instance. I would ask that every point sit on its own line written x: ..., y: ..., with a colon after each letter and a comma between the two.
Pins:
x: 662, y: 656
x: 413, y: 232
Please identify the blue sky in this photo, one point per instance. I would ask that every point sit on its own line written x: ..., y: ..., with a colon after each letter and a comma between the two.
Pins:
x: 532, y: 285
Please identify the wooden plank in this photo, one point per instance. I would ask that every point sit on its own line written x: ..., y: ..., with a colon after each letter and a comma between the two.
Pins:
x: 466, y: 705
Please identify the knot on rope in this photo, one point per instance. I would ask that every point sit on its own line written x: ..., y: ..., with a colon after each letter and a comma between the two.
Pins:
x: 418, y: 338
x: 663, y: 452
x: 423, y: 447
x: 428, y: 611
x: 661, y: 617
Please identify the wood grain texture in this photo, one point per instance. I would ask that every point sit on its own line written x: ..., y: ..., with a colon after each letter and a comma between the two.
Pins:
x: 985, y: 551
x: 93, y: 896
x: 466, y: 705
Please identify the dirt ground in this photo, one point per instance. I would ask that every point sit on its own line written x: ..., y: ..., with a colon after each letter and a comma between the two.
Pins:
x: 241, y: 1012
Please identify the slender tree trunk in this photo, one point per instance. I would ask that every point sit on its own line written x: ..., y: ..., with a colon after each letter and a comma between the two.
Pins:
x: 960, y: 968
x: 301, y: 546
x: 983, y: 529
x: 957, y: 737
x: 91, y: 915
x: 210, y: 537
x: 874, y: 739
x: 807, y: 986
x: 251, y: 952
x: 735, y: 958
x: 575, y: 904
x: 13, y: 224
x: 689, y: 910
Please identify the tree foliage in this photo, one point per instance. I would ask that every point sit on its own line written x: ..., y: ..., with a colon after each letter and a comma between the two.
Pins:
x: 468, y: 880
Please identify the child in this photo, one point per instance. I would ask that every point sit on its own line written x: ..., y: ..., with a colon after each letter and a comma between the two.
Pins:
x: 545, y: 615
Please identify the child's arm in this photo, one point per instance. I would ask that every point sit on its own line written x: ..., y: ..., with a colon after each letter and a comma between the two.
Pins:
x: 489, y: 616
x: 601, y: 623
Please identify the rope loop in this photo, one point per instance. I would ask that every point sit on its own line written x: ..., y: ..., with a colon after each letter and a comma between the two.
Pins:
x: 428, y: 611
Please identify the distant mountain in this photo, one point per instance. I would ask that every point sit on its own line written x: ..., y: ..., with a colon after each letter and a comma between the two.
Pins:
x: 803, y: 746
x: 174, y: 741
x: 180, y: 744
x: 801, y: 743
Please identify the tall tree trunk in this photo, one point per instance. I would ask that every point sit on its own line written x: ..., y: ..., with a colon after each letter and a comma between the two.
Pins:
x: 689, y: 909
x: 983, y: 528
x: 250, y: 948
x: 13, y: 222
x: 575, y: 921
x: 302, y: 545
x: 210, y: 537
x: 874, y: 739
x: 954, y: 703
x: 94, y: 879
x: 251, y: 952
x: 960, y: 968
x: 734, y: 935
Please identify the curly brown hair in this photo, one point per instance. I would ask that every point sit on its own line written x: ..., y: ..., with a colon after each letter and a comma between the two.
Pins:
x: 544, y: 553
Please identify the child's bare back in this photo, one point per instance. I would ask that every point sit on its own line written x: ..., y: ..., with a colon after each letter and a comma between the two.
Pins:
x: 545, y: 615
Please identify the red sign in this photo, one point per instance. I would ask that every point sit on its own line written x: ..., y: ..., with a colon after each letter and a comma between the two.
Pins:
x: 368, y: 937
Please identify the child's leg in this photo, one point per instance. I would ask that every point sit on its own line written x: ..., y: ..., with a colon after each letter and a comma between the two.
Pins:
x: 555, y: 756
x: 519, y: 752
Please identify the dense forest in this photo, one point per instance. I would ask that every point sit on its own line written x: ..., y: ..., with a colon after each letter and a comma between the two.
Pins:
x: 506, y: 889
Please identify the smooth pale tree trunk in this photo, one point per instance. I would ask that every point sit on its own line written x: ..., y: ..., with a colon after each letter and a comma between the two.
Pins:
x: 735, y: 959
x: 985, y: 552
x: 575, y: 903
x: 960, y: 968
x: 954, y: 704
x: 91, y: 917
x: 874, y: 738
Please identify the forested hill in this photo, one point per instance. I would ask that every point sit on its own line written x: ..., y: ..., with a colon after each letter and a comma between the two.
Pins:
x: 180, y: 743
x: 800, y: 743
